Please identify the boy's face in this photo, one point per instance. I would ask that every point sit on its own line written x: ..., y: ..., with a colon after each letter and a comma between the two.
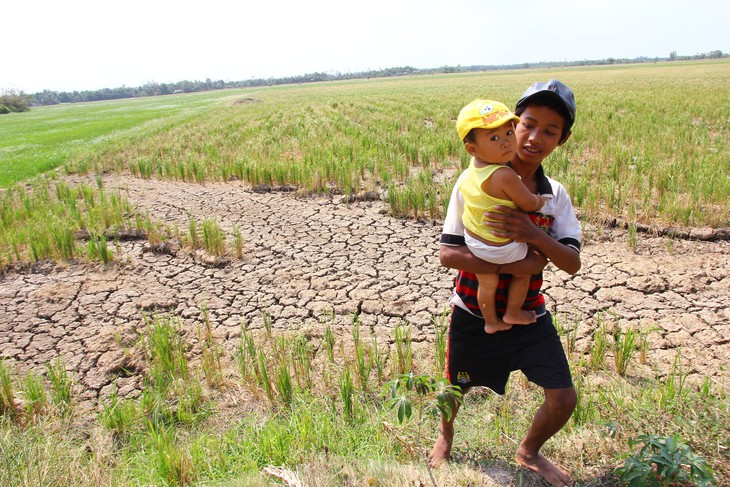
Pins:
x: 538, y: 133
x: 496, y: 146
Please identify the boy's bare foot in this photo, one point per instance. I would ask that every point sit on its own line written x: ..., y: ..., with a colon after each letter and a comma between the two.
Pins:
x: 552, y: 473
x: 521, y: 317
x: 441, y: 451
x: 495, y: 326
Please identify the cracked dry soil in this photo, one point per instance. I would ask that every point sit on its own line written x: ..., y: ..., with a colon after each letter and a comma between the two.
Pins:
x: 306, y: 256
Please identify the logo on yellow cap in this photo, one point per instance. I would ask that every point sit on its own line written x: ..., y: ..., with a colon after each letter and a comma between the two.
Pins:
x: 486, y: 114
x: 486, y: 108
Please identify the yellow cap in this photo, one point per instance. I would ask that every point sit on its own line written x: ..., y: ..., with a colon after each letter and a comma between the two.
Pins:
x: 483, y: 114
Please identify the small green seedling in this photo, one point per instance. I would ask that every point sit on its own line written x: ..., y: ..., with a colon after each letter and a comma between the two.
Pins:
x: 663, y: 462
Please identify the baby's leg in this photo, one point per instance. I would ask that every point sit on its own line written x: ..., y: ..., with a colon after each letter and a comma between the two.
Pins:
x: 486, y: 295
x: 515, y: 315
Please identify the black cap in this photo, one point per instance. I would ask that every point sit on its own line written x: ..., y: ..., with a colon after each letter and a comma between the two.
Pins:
x: 556, y: 89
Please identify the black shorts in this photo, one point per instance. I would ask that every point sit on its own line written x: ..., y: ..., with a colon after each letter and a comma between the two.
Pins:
x: 478, y: 359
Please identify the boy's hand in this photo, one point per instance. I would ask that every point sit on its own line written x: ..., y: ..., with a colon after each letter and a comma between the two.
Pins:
x: 516, y: 225
x: 512, y: 224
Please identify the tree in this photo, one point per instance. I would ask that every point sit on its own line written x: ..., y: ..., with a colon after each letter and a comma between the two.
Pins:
x: 46, y: 97
x: 14, y: 101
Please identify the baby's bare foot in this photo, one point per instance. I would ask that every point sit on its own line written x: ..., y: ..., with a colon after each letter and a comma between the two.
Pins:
x: 521, y: 317
x: 493, y: 327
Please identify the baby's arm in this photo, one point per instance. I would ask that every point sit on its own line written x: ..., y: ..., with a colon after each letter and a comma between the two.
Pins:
x: 512, y: 186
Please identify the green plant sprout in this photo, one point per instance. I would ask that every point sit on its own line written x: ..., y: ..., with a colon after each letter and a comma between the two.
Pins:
x: 664, y: 462
x: 429, y: 397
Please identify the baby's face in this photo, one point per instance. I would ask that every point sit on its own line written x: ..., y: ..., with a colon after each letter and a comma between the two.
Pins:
x: 495, y: 146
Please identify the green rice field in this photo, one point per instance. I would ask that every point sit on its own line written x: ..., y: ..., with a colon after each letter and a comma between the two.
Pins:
x: 650, y: 143
x: 46, y: 137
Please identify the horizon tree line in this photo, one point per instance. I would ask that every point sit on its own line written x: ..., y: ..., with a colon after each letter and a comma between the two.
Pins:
x: 18, y: 101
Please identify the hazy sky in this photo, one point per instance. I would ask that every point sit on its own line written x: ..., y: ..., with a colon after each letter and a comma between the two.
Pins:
x: 91, y: 44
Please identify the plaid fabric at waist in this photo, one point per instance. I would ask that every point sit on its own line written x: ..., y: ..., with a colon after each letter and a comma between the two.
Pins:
x: 466, y: 284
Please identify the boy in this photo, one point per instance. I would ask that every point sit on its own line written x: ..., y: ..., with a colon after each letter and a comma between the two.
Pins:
x: 547, y: 113
x: 487, y: 129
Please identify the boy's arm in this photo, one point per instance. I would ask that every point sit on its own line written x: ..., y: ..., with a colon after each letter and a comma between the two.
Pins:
x: 459, y: 257
x: 507, y: 181
x: 516, y: 225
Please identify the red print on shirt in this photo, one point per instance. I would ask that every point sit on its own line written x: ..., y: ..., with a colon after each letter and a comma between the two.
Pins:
x: 542, y: 221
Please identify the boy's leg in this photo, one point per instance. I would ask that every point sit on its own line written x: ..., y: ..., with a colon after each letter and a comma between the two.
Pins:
x: 486, y: 295
x: 515, y: 315
x: 441, y: 450
x: 545, y: 364
x: 549, y: 419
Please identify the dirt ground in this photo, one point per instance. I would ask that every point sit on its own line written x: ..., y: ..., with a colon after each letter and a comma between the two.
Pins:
x: 305, y: 256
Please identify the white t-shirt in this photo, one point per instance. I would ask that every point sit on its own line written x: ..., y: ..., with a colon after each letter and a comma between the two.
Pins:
x: 556, y: 217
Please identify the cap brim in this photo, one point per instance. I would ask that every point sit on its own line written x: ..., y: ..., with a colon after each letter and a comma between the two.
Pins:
x: 498, y: 123
x: 549, y: 93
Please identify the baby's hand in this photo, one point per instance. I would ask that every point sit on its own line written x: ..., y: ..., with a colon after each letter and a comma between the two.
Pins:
x: 541, y: 203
